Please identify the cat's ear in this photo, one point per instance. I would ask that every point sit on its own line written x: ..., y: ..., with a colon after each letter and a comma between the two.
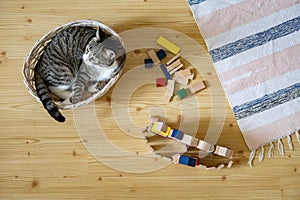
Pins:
x: 98, y: 34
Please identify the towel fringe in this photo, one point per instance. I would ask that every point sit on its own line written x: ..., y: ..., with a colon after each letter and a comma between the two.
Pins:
x: 280, y: 147
x: 251, y: 158
x: 271, y: 148
x: 290, y: 143
x: 262, y: 154
x: 297, y: 135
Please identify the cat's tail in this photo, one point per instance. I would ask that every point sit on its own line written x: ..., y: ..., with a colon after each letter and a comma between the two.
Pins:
x: 43, y: 94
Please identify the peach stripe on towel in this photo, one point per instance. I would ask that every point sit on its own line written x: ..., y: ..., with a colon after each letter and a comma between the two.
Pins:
x: 261, y: 70
x: 235, y: 15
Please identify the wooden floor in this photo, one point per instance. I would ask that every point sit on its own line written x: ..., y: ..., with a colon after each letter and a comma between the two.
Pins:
x: 41, y: 159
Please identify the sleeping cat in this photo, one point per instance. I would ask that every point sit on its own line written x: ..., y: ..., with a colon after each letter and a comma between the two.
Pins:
x: 76, y: 61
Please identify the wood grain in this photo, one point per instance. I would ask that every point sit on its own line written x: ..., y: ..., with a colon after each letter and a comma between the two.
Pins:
x: 41, y: 159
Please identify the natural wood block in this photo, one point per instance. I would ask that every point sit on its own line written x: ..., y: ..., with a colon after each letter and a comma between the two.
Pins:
x: 173, y: 59
x: 196, y: 87
x: 154, y: 57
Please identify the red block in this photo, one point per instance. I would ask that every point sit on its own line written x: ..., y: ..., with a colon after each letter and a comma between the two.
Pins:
x: 160, y: 82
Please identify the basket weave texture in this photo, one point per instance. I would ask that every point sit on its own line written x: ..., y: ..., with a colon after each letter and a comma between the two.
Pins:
x: 38, y: 49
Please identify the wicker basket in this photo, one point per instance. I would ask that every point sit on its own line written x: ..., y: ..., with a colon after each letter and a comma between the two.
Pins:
x: 38, y: 49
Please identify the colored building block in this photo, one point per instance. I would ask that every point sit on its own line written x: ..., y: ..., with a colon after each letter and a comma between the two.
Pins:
x: 161, y: 54
x: 161, y: 129
x: 185, y: 160
x: 165, y: 71
x: 182, y: 93
x: 168, y: 45
x: 160, y: 82
x: 148, y: 63
x: 154, y: 57
x: 177, y: 134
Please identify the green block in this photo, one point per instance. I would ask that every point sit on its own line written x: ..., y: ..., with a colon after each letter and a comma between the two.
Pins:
x: 182, y: 93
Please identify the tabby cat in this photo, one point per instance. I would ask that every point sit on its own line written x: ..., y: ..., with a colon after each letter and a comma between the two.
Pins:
x: 76, y: 61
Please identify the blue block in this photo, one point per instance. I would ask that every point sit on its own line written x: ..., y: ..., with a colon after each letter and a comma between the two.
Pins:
x: 185, y: 160
x: 161, y: 54
x: 177, y: 134
x: 192, y: 162
x: 148, y: 63
x: 165, y: 71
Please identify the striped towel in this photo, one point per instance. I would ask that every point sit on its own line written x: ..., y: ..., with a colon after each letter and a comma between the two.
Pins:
x: 255, y: 49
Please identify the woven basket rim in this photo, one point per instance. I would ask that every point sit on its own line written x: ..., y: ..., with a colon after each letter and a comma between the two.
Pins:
x: 36, y: 51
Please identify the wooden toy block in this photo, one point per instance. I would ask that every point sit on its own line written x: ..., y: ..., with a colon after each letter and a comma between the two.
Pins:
x: 211, y: 168
x: 205, y: 146
x: 173, y: 59
x: 154, y: 57
x: 173, y: 65
x: 182, y: 80
x: 168, y: 45
x: 230, y: 164
x: 190, y: 77
x: 148, y: 63
x: 160, y: 82
x: 182, y: 73
x: 185, y: 160
x: 220, y: 166
x: 187, y: 139
x: 202, y: 166
x: 177, y: 134
x: 196, y: 87
x: 175, y: 158
x: 168, y: 97
x: 161, y: 129
x: 170, y: 90
x: 170, y: 133
x: 165, y: 71
x: 182, y: 93
x: 171, y: 86
x: 223, y: 151
x: 194, y: 142
x: 161, y: 54
x: 175, y: 69
x: 153, y: 119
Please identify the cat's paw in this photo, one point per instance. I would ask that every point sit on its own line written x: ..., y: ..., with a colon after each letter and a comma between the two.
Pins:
x: 74, y: 100
x: 101, y: 85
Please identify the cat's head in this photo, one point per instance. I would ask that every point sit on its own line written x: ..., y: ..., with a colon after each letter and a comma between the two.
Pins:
x: 104, y: 50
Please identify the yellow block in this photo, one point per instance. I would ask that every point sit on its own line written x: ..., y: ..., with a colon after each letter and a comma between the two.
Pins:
x: 168, y: 45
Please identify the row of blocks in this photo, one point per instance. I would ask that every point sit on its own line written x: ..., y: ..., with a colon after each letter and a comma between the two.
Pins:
x: 162, y: 129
